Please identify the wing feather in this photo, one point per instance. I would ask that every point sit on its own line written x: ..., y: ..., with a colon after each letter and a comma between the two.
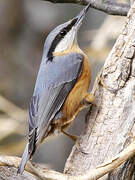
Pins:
x: 54, y: 82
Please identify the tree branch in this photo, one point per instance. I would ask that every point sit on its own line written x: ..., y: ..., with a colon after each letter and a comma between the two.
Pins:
x: 93, y: 174
x: 12, y: 110
x: 16, y: 117
x: 109, y: 7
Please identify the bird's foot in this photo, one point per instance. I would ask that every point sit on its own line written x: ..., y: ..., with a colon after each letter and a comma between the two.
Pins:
x: 73, y: 137
x: 81, y: 150
x: 106, y: 87
x: 89, y: 99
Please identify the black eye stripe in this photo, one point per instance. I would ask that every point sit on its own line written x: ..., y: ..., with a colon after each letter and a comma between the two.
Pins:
x: 63, y: 32
x: 71, y: 25
x: 58, y: 38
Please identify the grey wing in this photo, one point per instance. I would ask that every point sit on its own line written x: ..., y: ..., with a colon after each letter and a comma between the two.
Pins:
x: 54, y: 82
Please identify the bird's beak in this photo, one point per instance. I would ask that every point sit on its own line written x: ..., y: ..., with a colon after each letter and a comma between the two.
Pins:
x: 80, y: 17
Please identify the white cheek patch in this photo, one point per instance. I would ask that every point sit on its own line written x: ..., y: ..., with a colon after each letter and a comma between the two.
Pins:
x: 66, y: 42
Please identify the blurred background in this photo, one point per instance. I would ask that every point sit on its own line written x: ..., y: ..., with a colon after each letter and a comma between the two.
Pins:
x: 24, y: 26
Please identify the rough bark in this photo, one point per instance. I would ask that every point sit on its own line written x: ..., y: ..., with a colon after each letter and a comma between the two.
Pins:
x: 111, y: 123
x: 10, y: 173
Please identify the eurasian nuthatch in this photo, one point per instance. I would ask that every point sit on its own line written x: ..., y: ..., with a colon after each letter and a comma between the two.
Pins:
x: 61, y: 89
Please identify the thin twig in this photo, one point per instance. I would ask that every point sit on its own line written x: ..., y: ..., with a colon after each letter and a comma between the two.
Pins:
x: 109, y: 7
x: 12, y: 110
x: 15, y: 117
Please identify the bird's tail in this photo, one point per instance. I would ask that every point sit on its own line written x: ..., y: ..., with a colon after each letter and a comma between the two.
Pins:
x: 25, y: 157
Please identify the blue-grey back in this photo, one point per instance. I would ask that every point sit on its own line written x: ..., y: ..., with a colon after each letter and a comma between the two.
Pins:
x: 62, y: 69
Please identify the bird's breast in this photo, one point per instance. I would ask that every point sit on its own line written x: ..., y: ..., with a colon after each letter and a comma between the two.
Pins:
x: 73, y: 104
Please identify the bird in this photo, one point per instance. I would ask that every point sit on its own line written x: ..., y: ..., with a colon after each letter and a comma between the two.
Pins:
x: 61, y: 88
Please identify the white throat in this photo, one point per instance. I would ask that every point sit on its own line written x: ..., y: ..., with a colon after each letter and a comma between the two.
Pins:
x: 66, y: 42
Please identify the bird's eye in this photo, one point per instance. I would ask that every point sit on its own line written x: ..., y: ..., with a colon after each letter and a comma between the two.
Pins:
x: 63, y: 32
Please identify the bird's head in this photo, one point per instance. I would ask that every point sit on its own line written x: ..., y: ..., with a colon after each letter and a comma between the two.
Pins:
x: 64, y: 36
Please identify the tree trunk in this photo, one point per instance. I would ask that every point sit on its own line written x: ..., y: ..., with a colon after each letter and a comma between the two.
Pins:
x: 112, y: 122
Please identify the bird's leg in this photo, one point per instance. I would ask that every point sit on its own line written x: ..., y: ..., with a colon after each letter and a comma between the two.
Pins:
x: 88, y: 115
x: 74, y: 138
x: 88, y: 99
